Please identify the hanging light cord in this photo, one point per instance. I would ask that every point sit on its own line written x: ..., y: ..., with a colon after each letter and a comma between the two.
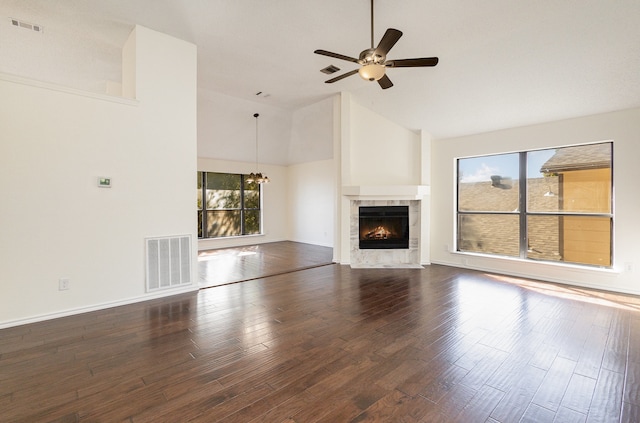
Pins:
x: 257, y: 177
x: 256, y: 116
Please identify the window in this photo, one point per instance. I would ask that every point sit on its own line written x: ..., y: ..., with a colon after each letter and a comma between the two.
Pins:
x: 562, y: 211
x: 227, y: 205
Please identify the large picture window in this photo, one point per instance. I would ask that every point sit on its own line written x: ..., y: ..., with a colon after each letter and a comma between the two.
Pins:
x: 228, y: 205
x: 550, y: 205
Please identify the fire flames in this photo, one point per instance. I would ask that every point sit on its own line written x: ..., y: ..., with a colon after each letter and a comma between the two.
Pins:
x: 380, y: 232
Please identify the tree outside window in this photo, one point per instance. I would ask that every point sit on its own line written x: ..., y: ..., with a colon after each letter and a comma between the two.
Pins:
x: 228, y: 205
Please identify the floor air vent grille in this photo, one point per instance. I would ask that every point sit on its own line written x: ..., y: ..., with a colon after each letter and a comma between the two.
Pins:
x: 168, y: 262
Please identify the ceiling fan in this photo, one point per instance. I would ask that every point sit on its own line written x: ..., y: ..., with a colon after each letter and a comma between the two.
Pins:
x: 373, y: 61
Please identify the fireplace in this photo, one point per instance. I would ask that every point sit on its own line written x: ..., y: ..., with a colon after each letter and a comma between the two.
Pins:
x: 383, y: 227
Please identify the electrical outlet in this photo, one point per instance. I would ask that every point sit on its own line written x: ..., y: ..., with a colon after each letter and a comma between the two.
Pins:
x: 628, y: 267
x: 63, y: 284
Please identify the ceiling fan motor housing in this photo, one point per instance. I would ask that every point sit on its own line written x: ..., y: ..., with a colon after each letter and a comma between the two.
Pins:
x: 372, y: 65
x: 371, y: 57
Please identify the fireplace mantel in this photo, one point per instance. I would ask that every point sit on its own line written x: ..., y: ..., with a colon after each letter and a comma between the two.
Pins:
x: 399, y: 191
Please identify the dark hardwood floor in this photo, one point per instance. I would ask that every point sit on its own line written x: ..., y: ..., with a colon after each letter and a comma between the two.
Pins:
x: 230, y: 265
x: 335, y: 344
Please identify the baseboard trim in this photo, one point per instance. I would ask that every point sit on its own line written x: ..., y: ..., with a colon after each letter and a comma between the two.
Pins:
x: 97, y: 307
x: 539, y: 276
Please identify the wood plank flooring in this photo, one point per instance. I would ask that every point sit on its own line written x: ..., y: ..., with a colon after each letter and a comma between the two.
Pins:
x: 335, y: 344
x: 230, y: 265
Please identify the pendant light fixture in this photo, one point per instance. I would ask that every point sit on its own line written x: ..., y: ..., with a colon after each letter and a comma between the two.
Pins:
x: 257, y: 177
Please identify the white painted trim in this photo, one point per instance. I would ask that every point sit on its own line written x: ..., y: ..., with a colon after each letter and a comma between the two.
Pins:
x: 412, y: 192
x: 61, y: 88
x: 526, y: 272
x: 97, y: 307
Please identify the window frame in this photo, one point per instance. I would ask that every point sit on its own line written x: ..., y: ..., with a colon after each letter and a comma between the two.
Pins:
x: 523, y: 212
x: 202, y: 209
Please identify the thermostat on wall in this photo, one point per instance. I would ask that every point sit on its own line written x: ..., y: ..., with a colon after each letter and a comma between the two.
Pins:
x: 104, y: 182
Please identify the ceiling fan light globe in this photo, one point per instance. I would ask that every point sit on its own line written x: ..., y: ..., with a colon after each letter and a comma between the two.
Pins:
x: 371, y: 72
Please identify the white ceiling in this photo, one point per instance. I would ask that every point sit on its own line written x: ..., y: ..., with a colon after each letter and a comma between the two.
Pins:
x: 503, y: 63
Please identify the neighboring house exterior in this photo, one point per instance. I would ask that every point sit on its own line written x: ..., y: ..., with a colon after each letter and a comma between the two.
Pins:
x: 584, y: 184
x: 575, y: 180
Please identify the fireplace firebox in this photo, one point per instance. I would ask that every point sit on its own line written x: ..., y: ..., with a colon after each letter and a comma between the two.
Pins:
x: 384, y: 227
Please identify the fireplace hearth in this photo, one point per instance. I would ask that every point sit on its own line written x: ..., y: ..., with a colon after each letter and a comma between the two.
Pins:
x: 383, y: 227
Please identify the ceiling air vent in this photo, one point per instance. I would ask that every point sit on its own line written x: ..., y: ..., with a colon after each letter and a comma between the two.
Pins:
x: 26, y: 25
x: 330, y: 69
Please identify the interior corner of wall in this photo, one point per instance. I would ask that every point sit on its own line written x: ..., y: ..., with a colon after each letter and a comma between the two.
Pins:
x: 425, y: 155
x: 129, y: 66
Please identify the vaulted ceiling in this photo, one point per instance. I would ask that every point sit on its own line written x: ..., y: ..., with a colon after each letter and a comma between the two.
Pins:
x: 503, y: 63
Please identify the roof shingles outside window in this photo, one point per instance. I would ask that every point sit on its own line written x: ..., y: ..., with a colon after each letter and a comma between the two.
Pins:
x: 491, y: 222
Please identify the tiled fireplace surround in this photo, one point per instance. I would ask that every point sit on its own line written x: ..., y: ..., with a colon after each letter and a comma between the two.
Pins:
x: 393, y: 258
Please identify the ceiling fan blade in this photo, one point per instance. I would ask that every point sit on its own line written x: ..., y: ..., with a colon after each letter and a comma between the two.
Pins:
x: 385, y: 82
x: 336, y: 56
x: 389, y: 39
x: 412, y: 63
x: 338, y: 78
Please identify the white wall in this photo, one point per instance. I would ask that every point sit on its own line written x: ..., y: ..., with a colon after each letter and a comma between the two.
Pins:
x: 312, y: 182
x: 312, y: 133
x: 298, y: 193
x: 298, y: 203
x: 373, y: 151
x: 622, y: 127
x: 313, y: 195
x: 227, y: 129
x: 381, y: 151
x: 56, y: 222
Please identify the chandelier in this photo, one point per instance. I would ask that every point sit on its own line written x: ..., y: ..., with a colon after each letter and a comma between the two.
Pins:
x: 257, y: 177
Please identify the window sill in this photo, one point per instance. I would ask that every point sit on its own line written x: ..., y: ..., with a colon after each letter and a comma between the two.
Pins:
x: 466, y: 257
x: 231, y: 237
